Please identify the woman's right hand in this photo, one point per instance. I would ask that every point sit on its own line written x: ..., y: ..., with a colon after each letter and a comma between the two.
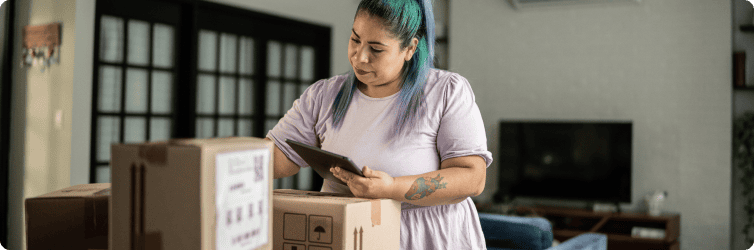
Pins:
x: 374, y: 185
x: 283, y: 167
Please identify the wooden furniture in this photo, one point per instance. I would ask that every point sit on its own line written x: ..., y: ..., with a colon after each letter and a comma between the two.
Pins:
x: 569, y: 222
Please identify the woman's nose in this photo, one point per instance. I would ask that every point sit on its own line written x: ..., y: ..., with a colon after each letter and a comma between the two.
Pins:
x: 361, y: 55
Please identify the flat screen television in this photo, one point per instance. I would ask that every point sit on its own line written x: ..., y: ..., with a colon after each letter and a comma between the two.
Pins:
x: 586, y: 161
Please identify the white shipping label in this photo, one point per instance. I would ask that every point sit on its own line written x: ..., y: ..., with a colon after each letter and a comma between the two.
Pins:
x: 241, y: 201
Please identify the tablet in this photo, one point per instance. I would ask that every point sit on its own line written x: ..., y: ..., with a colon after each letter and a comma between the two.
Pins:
x: 321, y: 160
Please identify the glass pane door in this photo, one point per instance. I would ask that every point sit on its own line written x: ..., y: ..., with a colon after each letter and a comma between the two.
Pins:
x: 197, y: 69
x: 134, y: 84
x: 290, y: 70
x: 225, y: 85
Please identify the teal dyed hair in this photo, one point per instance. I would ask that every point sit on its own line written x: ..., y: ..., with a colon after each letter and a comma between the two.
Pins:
x: 406, y: 19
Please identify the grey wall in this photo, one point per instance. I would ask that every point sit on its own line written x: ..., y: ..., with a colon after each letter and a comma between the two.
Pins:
x: 3, y: 27
x: 16, y: 236
x: 665, y: 65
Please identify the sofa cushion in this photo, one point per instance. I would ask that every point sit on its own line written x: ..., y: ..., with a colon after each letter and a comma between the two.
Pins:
x: 508, y: 232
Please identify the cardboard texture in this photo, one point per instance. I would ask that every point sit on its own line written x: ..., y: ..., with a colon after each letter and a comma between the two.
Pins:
x: 192, y: 194
x: 306, y: 220
x: 71, y: 218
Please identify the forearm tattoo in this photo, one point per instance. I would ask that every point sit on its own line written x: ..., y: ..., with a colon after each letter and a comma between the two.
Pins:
x: 424, y: 186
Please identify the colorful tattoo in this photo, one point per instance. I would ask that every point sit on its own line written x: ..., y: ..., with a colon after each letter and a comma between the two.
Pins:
x: 424, y: 186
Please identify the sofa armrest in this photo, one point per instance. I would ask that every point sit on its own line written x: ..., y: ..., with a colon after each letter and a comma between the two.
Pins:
x: 515, y: 232
x: 586, y: 241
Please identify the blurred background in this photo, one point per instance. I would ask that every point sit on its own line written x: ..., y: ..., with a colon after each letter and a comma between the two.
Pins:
x: 134, y: 71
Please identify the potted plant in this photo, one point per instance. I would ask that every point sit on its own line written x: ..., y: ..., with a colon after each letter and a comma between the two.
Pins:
x: 743, y: 158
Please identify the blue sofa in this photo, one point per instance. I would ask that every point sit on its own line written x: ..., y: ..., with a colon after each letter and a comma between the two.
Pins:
x: 503, y: 232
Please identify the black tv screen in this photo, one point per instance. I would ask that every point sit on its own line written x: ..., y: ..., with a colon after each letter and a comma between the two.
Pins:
x: 565, y: 160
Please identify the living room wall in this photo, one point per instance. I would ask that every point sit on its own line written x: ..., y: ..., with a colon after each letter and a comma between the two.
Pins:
x: 665, y: 65
x: 42, y: 149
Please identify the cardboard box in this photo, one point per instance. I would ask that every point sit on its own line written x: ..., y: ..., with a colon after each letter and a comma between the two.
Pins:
x: 305, y: 220
x: 192, y: 194
x: 71, y: 218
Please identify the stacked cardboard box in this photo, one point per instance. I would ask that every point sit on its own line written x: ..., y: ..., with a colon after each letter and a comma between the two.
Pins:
x: 192, y: 194
x: 71, y: 218
x: 305, y: 220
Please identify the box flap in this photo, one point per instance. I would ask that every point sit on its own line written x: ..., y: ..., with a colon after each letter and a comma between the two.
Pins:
x: 331, y: 198
x: 156, y: 152
x: 214, y: 141
x: 83, y: 190
x: 336, y: 198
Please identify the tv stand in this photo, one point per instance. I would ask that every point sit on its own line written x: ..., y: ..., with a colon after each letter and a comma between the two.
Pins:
x: 570, y: 222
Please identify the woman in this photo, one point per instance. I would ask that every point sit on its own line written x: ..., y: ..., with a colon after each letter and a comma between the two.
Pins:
x: 416, y: 130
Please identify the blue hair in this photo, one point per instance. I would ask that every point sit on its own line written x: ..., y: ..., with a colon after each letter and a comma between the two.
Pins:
x: 406, y: 19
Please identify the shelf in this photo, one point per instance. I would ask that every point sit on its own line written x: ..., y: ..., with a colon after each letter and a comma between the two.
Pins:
x: 568, y: 223
x: 565, y: 234
x: 571, y: 222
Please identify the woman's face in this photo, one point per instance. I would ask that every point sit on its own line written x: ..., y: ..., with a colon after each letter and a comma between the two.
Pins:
x: 375, y: 55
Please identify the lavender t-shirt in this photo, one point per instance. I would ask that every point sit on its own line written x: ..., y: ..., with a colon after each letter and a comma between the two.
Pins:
x: 451, y: 127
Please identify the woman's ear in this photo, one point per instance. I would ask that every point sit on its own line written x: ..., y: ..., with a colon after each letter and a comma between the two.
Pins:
x: 411, y: 49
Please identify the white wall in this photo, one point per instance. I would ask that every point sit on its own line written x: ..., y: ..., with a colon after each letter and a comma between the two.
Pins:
x: 81, y: 115
x: 665, y: 65
x: 41, y: 151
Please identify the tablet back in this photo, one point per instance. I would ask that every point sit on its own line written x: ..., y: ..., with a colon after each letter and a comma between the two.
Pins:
x: 321, y: 160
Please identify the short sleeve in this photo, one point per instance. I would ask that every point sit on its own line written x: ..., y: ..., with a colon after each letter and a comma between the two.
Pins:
x: 299, y: 122
x: 461, y: 131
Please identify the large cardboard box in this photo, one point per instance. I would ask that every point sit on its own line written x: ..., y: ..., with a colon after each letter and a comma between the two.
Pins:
x: 71, y: 218
x: 192, y: 194
x: 305, y: 220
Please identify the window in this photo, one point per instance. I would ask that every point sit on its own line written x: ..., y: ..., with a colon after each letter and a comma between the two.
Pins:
x: 134, y: 74
x: 225, y: 85
x: 250, y: 69
x: 236, y: 76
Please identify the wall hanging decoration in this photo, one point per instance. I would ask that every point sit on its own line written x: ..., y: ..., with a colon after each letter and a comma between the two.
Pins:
x: 41, y: 45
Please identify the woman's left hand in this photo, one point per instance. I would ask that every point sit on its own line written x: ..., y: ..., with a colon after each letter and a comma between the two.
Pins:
x: 374, y: 184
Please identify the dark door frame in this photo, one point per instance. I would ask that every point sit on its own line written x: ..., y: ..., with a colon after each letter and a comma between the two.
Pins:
x: 5, y: 91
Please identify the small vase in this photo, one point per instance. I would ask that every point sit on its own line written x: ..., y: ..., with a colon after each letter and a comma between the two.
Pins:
x: 654, y: 202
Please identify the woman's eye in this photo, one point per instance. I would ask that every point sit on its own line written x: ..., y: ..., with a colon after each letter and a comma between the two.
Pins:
x: 354, y: 40
x: 376, y: 50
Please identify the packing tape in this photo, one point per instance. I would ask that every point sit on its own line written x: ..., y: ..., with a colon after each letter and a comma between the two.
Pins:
x: 154, y: 153
x: 376, y: 212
